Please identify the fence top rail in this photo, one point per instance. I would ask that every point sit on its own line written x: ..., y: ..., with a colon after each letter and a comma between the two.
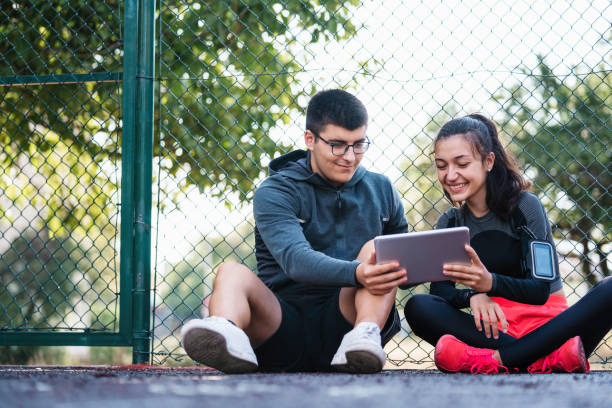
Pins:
x: 61, y: 79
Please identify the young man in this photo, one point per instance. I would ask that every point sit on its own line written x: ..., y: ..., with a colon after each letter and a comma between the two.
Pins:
x: 319, y: 300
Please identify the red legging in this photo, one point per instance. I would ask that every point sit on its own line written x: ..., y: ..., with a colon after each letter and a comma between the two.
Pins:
x: 523, y: 318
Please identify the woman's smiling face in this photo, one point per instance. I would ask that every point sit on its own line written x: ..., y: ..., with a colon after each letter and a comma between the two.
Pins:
x: 461, y: 170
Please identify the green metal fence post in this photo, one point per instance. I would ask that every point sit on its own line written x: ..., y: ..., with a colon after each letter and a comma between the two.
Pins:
x: 127, y: 168
x: 143, y: 169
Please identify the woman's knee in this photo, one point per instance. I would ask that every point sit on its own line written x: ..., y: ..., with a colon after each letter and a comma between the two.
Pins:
x: 603, y: 285
x: 417, y: 309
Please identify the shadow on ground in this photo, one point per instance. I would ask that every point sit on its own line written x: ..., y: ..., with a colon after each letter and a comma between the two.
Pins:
x: 117, y: 387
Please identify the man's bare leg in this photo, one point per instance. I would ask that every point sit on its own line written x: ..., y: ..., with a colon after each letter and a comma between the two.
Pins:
x: 361, y: 349
x: 360, y: 306
x: 241, y: 297
x: 243, y: 314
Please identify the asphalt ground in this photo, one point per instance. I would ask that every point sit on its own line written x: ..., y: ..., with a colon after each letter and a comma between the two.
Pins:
x: 119, y: 387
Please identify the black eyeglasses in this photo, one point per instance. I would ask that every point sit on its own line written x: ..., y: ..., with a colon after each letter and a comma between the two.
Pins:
x: 340, y: 148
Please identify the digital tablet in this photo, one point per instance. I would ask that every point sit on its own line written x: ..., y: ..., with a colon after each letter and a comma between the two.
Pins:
x: 424, y: 253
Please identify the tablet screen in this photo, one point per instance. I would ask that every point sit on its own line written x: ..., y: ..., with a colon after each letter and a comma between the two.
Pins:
x: 424, y: 253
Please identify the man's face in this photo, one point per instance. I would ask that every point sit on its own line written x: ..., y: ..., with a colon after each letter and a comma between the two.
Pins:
x: 336, y: 169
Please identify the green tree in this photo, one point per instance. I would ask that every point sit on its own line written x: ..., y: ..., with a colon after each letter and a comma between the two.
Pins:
x: 422, y: 195
x: 561, y: 129
x: 424, y: 199
x: 227, y: 78
x: 184, y: 285
x: 64, y: 198
x: 64, y: 133
x: 38, y: 287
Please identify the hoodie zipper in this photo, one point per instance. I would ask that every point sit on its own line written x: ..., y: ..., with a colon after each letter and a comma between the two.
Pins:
x: 340, y: 241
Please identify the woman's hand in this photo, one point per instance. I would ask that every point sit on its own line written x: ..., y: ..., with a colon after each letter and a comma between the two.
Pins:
x: 485, y: 309
x: 475, y: 275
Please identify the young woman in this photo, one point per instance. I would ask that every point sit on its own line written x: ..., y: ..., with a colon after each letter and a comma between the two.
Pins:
x: 518, y: 321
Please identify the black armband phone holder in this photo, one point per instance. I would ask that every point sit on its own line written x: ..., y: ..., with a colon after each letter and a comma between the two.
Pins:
x: 537, y: 256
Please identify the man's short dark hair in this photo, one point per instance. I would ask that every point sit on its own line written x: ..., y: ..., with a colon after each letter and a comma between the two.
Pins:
x: 335, y: 107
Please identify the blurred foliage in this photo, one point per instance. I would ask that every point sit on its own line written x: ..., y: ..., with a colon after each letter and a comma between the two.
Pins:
x: 423, y: 197
x: 561, y: 129
x: 63, y: 128
x: 185, y: 284
x: 56, y: 220
x: 228, y: 77
x: 183, y: 287
x: 36, y: 280
x: 38, y: 286
x: 67, y: 190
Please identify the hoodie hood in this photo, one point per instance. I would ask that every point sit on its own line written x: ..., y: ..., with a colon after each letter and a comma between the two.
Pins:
x: 296, y: 165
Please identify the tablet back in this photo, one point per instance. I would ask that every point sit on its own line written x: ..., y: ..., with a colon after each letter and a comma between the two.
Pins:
x: 423, y: 253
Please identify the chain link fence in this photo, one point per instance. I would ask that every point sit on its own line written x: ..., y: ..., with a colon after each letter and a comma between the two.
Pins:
x: 59, y: 198
x: 235, y: 78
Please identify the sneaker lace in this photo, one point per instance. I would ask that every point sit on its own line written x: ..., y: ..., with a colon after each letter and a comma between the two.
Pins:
x: 370, y: 331
x: 486, y: 364
x: 488, y: 367
x: 544, y: 365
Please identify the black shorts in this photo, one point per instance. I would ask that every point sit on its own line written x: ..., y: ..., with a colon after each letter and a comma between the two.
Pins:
x: 309, y: 335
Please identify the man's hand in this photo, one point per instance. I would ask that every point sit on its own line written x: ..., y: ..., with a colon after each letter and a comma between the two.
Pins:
x: 485, y: 309
x: 379, y: 279
x: 475, y: 275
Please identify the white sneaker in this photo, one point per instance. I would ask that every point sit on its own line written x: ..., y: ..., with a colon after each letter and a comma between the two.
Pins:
x: 360, y: 351
x: 219, y: 344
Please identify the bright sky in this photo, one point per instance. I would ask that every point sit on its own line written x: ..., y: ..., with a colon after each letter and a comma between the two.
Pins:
x: 428, y: 53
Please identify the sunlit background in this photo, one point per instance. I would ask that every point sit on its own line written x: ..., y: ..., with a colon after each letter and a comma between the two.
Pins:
x: 232, y: 82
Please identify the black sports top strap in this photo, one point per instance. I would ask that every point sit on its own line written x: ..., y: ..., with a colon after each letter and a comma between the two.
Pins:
x: 452, y: 220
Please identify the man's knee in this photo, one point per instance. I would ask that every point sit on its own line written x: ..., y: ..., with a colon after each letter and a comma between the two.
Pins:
x: 232, y: 273
x: 366, y: 251
x: 387, y: 298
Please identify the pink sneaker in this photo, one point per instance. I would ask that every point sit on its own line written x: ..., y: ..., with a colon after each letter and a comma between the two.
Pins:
x: 453, y: 355
x: 569, y: 358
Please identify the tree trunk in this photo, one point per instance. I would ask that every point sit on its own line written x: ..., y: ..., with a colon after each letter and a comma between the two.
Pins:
x: 603, y: 259
x: 586, y: 261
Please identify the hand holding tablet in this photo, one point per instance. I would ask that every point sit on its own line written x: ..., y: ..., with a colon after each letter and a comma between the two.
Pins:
x: 424, y: 253
x: 379, y: 279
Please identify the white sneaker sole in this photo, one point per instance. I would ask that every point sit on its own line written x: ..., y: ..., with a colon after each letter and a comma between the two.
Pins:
x: 210, y: 348
x: 360, y: 362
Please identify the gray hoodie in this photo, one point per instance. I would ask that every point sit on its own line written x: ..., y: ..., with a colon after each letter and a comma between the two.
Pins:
x: 308, y: 232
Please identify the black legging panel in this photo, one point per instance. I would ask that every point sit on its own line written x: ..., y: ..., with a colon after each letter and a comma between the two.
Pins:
x: 430, y: 317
